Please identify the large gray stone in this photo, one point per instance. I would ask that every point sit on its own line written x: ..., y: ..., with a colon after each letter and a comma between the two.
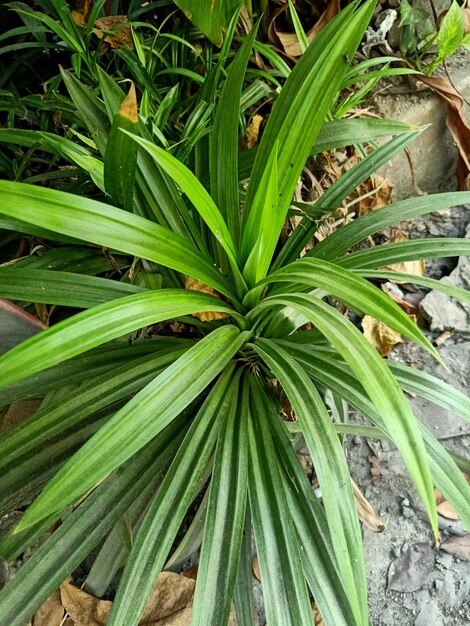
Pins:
x: 445, y: 312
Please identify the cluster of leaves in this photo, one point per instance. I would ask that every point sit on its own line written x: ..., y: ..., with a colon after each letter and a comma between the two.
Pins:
x: 133, y: 429
x: 419, y: 35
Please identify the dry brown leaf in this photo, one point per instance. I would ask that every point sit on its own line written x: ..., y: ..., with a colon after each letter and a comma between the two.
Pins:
x: 459, y: 546
x: 191, y: 572
x: 196, y: 285
x: 121, y: 35
x: 466, y: 19
x: 169, y: 605
x: 366, y: 513
x: 381, y: 336
x: 78, y: 18
x: 443, y: 507
x: 410, y: 309
x: 317, y: 618
x: 51, y: 612
x: 252, y: 133
x: 407, y: 267
x: 171, y: 598
x: 17, y: 412
x: 129, y: 106
x: 375, y: 471
x: 289, y: 41
x: 456, y: 123
x: 374, y: 196
x: 255, y: 566
x: 84, y: 609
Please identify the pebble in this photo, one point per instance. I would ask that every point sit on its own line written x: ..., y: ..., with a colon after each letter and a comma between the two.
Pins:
x: 405, y: 502
x: 357, y: 440
x: 438, y: 584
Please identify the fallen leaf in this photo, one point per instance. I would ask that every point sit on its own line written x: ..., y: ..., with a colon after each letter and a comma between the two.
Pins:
x: 84, y: 609
x: 411, y: 571
x: 196, y: 285
x: 121, y: 35
x: 407, y: 267
x: 51, y: 612
x: 458, y: 546
x: 191, y: 572
x: 411, y: 310
x: 252, y: 133
x: 374, y: 196
x: 443, y: 507
x: 17, y: 412
x: 78, y: 18
x: 289, y: 41
x: 381, y: 336
x: 456, y: 123
x: 375, y: 471
x: 255, y: 566
x: 317, y: 618
x: 366, y: 513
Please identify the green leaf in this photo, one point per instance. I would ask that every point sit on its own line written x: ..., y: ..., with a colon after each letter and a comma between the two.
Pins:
x: 90, y: 109
x: 299, y: 30
x: 196, y: 193
x: 303, y: 104
x: 339, y: 191
x: 120, y: 159
x: 379, y: 384
x: 104, y: 225
x: 349, y: 132
x: 262, y: 228
x: 243, y: 596
x: 285, y: 594
x: 451, y: 31
x: 211, y: 17
x: 100, y: 324
x: 64, y: 288
x: 359, y: 294
x: 224, y: 140
x: 354, y: 232
x: 438, y: 285
x: 166, y: 513
x: 70, y: 410
x: 74, y: 539
x: 136, y: 423
x: 331, y: 469
x: 318, y: 558
x: 223, y: 533
x: 391, y: 253
x: 335, y: 374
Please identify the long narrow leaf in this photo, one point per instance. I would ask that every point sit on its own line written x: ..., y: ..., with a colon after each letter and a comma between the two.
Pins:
x: 285, y: 594
x: 223, y: 534
x: 165, y: 515
x: 378, y: 382
x: 136, y: 423
x: 98, y: 325
x: 104, y: 225
x: 331, y: 469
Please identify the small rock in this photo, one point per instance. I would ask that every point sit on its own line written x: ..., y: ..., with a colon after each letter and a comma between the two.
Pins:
x: 407, y: 512
x: 429, y: 614
x: 411, y: 571
x: 438, y: 584
x: 405, y: 502
x: 357, y: 440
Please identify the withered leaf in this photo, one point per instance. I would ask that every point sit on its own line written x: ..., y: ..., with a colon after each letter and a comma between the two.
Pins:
x: 455, y: 121
x: 458, y: 546
x: 407, y: 267
x: 51, y: 612
x: 411, y: 571
x: 84, y: 609
x: 366, y: 513
x: 374, y: 196
x: 196, y: 285
x: 317, y: 618
x: 252, y: 132
x: 121, y: 33
x: 381, y: 336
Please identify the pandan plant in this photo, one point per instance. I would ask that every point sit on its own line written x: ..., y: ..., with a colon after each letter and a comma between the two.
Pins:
x: 143, y: 418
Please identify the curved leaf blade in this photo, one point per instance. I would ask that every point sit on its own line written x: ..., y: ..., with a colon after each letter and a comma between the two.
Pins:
x: 99, y: 325
x: 331, y: 469
x: 108, y: 226
x: 136, y: 424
